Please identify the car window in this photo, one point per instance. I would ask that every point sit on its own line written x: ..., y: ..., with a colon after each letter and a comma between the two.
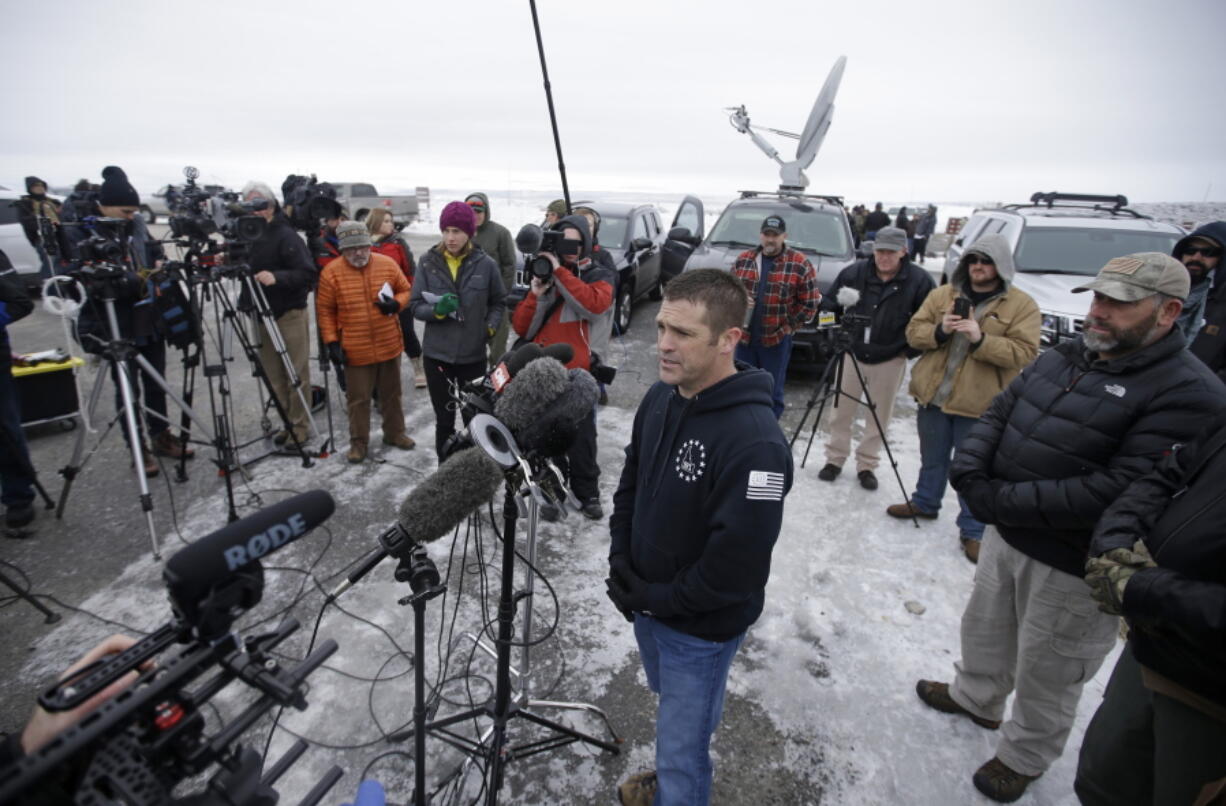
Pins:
x: 653, y: 225
x: 1077, y: 250
x: 8, y: 213
x: 809, y: 229
x: 359, y: 190
x: 994, y: 226
x: 613, y: 232
x: 971, y: 231
x: 687, y: 217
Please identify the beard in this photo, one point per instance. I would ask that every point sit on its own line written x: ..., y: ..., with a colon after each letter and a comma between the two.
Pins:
x: 1120, y: 340
x: 358, y: 262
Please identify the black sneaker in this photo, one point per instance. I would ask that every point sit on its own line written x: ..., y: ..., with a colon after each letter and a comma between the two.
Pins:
x: 592, y: 510
x: 1000, y: 783
x: 867, y: 480
x: 18, y: 516
x: 829, y: 472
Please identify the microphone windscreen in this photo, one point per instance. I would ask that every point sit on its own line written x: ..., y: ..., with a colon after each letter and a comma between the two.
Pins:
x: 529, y: 239
x: 518, y: 358
x: 847, y: 297
x: 439, y: 504
x: 554, y: 429
x: 531, y: 394
x: 562, y: 351
x: 211, y: 560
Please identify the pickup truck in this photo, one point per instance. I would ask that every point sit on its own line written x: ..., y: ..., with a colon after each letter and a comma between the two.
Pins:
x: 359, y: 198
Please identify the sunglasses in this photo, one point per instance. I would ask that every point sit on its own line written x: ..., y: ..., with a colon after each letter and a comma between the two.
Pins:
x: 986, y: 261
x: 478, y: 207
x: 1206, y: 251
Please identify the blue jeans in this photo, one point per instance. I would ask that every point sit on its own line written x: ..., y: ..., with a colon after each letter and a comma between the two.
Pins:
x: 940, y: 434
x: 772, y: 359
x: 690, y: 676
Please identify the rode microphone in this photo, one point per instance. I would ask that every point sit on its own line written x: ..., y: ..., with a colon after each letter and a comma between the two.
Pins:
x: 432, y: 509
x: 196, y: 572
x: 847, y: 297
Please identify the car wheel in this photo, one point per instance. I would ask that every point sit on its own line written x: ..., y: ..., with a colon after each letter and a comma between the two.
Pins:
x: 148, y: 214
x: 625, y: 306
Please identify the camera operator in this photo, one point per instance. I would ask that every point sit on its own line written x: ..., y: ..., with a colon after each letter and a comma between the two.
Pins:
x: 282, y: 266
x: 458, y: 293
x: 40, y: 219
x: 891, y: 289
x: 121, y: 232
x: 563, y: 308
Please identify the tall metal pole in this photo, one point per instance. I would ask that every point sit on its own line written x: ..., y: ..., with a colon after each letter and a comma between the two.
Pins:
x: 553, y: 118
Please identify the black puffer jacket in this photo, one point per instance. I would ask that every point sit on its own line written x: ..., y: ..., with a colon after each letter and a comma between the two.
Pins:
x: 1177, y: 611
x: 1065, y: 438
x: 899, y: 299
x: 282, y: 251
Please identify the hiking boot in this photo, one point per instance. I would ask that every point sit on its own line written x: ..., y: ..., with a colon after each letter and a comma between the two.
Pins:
x: 404, y: 442
x: 908, y: 511
x: 149, y: 461
x: 936, y: 695
x: 167, y: 444
x: 357, y: 452
x: 829, y: 472
x: 592, y: 510
x: 970, y: 547
x: 1000, y: 783
x: 280, y: 438
x: 19, y: 515
x: 867, y: 480
x: 638, y: 790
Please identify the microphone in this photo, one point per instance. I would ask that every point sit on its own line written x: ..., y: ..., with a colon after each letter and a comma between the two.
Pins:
x: 510, y: 364
x: 544, y: 407
x: 193, y: 572
x: 537, y: 386
x: 529, y: 239
x: 431, y: 510
x: 561, y: 351
x: 847, y: 297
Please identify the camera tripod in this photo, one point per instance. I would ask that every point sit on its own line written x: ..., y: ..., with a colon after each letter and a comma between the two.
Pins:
x: 118, y: 353
x: 830, y: 386
x: 493, y: 745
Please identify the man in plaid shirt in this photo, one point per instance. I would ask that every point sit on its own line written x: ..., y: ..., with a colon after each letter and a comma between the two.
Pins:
x: 783, y: 295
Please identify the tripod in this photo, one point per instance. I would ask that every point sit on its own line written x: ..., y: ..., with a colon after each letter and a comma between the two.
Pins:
x: 493, y: 745
x: 830, y: 386
x: 118, y: 353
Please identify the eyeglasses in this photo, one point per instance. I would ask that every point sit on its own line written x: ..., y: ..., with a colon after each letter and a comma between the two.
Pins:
x: 986, y: 261
x: 1206, y: 251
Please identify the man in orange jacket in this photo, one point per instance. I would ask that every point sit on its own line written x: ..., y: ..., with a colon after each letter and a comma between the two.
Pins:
x: 358, y: 298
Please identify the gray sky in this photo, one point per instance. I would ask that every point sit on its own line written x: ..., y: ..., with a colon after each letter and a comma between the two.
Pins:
x: 951, y: 101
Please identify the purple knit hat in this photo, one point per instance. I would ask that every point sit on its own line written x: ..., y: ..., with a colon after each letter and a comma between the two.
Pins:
x: 459, y: 215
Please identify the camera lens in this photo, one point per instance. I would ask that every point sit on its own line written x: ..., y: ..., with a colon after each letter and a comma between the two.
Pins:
x: 541, y: 268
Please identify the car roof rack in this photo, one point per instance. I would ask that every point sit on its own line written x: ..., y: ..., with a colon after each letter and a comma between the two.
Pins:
x: 1113, y: 205
x: 789, y: 193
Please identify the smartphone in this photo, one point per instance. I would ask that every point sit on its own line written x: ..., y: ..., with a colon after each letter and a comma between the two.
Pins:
x: 962, y: 307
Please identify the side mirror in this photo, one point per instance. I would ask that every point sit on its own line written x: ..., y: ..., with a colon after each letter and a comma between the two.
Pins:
x: 681, y: 234
x: 639, y: 244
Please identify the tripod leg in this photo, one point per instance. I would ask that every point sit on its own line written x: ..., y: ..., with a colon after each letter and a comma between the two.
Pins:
x: 153, y: 375
x: 70, y: 471
x: 124, y: 380
x: 872, y: 407
x: 37, y: 605
x: 832, y: 370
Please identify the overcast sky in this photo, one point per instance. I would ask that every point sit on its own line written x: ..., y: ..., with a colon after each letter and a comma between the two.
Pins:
x: 949, y: 101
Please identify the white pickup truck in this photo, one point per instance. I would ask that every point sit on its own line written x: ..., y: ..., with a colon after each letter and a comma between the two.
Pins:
x: 359, y: 198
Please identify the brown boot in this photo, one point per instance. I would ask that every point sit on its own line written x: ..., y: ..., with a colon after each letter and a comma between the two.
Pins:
x: 1000, y: 783
x: 907, y: 510
x: 167, y: 444
x: 638, y: 790
x: 970, y: 548
x: 357, y: 452
x: 936, y: 695
x: 150, y: 462
x: 404, y: 442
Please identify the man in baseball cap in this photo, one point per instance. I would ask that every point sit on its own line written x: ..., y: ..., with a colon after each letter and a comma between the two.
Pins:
x: 1137, y: 299
x: 783, y: 294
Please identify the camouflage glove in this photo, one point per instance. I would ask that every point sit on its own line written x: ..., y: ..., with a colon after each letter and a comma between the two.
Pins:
x: 1108, y: 574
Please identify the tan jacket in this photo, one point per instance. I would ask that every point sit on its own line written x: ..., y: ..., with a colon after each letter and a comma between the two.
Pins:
x: 1010, y: 325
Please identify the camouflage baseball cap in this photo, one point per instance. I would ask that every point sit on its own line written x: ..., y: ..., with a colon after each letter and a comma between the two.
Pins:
x: 1135, y: 277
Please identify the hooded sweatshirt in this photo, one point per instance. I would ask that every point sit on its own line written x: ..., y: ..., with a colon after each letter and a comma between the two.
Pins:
x: 496, y: 241
x: 959, y: 377
x: 1192, y: 317
x: 700, y: 502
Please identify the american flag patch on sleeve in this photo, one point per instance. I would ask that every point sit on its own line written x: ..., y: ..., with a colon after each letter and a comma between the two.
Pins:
x: 764, y: 486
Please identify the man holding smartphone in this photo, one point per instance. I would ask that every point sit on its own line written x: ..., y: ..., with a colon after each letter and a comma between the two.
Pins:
x: 976, y: 334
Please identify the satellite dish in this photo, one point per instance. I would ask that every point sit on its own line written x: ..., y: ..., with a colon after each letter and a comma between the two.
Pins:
x: 792, y: 173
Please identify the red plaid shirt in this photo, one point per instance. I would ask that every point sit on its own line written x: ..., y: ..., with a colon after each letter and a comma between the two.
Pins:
x: 791, y: 295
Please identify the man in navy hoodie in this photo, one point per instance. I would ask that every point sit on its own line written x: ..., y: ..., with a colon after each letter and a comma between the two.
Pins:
x: 694, y: 521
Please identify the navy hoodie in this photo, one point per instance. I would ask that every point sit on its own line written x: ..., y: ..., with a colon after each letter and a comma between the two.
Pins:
x: 700, y: 502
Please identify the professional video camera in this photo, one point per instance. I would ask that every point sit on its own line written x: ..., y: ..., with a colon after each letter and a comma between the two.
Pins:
x: 142, y: 743
x: 544, y: 250
x: 848, y: 328
x: 197, y: 212
x: 307, y: 201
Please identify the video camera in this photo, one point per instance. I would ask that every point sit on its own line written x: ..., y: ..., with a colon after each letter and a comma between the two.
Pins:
x: 544, y: 250
x: 196, y: 212
x: 308, y: 201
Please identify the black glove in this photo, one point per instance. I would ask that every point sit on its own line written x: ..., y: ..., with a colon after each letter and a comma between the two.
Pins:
x: 631, y: 589
x: 980, y: 495
x: 613, y: 588
x: 388, y: 306
x: 335, y: 353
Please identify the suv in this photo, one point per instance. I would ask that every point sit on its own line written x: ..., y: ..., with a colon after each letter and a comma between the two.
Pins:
x: 1059, y: 240
x: 817, y: 226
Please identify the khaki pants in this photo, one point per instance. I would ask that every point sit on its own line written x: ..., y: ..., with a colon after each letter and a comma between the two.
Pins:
x: 1034, y: 630
x: 382, y: 378
x: 295, y: 327
x: 883, y: 381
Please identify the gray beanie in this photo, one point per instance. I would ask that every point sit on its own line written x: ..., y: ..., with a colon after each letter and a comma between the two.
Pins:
x: 352, y: 234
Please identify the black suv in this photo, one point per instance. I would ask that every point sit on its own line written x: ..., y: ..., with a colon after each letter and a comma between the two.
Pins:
x: 817, y: 226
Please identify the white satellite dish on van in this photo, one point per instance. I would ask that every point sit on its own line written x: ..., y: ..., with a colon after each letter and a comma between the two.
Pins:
x: 792, y: 172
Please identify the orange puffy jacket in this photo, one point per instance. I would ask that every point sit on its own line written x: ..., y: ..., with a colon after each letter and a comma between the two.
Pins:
x: 345, y: 305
